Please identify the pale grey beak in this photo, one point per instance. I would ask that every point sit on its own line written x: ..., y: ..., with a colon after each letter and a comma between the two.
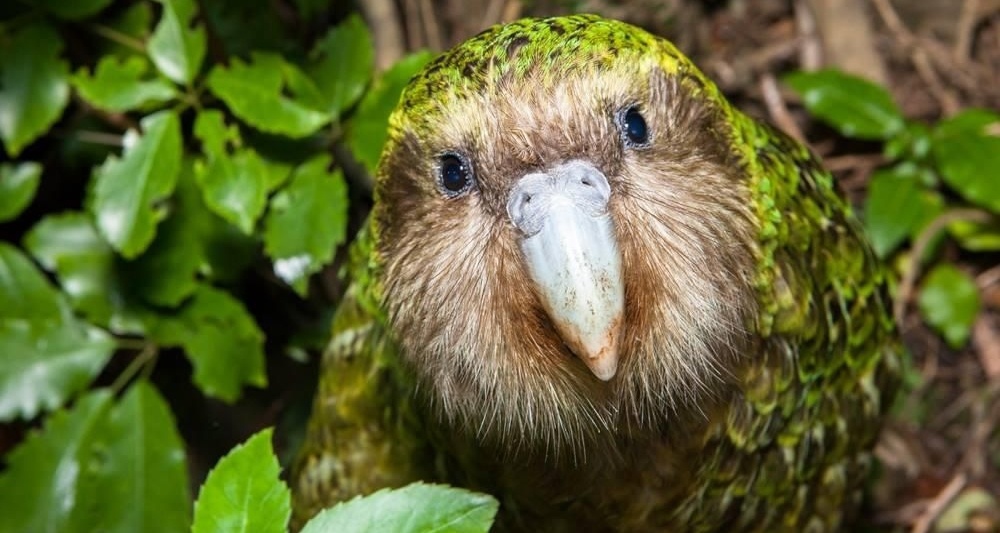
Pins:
x: 569, y: 244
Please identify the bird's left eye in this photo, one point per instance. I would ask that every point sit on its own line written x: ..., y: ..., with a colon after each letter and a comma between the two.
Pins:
x: 634, y: 131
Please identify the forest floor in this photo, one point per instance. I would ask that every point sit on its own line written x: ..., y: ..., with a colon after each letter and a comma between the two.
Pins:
x: 940, y: 451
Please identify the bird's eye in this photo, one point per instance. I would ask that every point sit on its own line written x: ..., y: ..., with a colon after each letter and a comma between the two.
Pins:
x: 454, y: 174
x: 634, y: 131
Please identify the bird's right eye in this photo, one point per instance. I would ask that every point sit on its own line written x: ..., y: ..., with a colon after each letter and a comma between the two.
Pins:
x: 454, y: 175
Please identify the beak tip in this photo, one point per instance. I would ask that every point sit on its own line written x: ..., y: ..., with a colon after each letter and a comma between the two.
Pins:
x: 604, y: 374
x: 604, y: 364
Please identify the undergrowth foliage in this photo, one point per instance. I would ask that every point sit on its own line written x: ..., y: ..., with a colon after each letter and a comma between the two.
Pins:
x: 155, y: 153
x: 939, y: 181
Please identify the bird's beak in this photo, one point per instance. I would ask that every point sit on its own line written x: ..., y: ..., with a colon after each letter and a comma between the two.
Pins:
x: 568, y: 241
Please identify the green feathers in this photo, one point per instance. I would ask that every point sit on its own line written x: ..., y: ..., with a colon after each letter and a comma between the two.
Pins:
x: 757, y: 350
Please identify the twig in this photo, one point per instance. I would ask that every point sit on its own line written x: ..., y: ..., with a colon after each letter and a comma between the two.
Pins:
x: 920, y: 246
x: 411, y: 17
x: 116, y: 36
x: 511, y: 11
x: 811, y: 49
x: 432, y: 32
x: 383, y: 19
x: 93, y: 137
x: 892, y: 21
x: 853, y: 162
x: 141, y: 360
x: 966, y: 25
x: 988, y: 277
x: 987, y: 344
x: 947, y: 99
x: 925, y: 56
x: 493, y: 13
x: 982, y: 426
x: 848, y: 38
x: 938, y: 504
x: 776, y: 107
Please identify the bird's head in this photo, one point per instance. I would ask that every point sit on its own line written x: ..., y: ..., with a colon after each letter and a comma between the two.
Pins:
x: 564, y: 234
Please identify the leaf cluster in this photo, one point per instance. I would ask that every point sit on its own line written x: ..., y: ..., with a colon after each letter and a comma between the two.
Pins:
x: 156, y: 155
x: 938, y: 188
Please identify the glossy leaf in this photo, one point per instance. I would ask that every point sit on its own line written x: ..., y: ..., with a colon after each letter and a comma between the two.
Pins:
x: 255, y: 92
x: 234, y: 182
x: 244, y: 492
x: 87, y: 268
x: 126, y: 192
x: 18, y: 183
x: 25, y: 292
x: 949, y: 302
x: 220, y: 338
x: 897, y: 207
x: 342, y: 63
x: 167, y: 273
x: 967, y: 150
x: 854, y: 106
x: 415, y: 508
x: 137, y: 478
x: 48, y: 354
x: 177, y: 46
x: 45, y: 363
x: 122, y: 84
x: 38, y: 488
x: 306, y: 221
x: 34, y: 85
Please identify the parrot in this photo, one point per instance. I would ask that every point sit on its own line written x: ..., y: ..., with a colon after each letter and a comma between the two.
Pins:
x: 593, y: 288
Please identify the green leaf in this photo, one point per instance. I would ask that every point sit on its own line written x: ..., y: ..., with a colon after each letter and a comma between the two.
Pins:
x: 68, y: 244
x: 976, y: 237
x: 235, y: 187
x: 367, y: 130
x: 18, y: 183
x: 220, y: 338
x: 949, y: 302
x: 126, y: 192
x: 306, y: 222
x: 137, y: 479
x: 48, y: 354
x: 255, y: 92
x: 415, y: 508
x: 46, y: 362
x: 74, y: 10
x: 210, y: 128
x: 342, y: 63
x: 25, y: 292
x: 243, y: 492
x: 967, y: 150
x: 177, y: 46
x: 856, y: 107
x: 234, y: 184
x: 167, y: 273
x: 897, y: 207
x: 913, y: 144
x: 121, y: 84
x: 34, y: 85
x: 39, y: 486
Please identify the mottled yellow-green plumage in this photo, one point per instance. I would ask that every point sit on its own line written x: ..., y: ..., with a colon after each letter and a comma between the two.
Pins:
x: 757, y: 353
